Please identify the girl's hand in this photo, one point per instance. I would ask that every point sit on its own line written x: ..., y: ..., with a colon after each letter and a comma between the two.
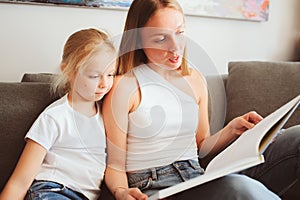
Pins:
x: 247, y: 121
x: 129, y: 194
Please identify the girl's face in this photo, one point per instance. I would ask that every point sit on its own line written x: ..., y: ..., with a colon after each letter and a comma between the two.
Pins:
x: 96, y: 79
x: 163, y: 39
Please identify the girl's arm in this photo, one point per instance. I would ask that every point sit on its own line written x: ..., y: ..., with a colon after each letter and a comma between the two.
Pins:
x: 25, y: 171
x: 116, y: 107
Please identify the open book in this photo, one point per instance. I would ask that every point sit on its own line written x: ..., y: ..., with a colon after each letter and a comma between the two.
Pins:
x: 244, y: 152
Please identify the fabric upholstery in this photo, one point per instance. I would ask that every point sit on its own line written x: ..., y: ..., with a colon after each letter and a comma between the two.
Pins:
x: 262, y: 87
x: 39, y: 77
x: 20, y: 104
x: 216, y: 101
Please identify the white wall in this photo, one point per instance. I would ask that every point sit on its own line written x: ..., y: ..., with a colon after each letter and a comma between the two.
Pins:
x: 32, y: 37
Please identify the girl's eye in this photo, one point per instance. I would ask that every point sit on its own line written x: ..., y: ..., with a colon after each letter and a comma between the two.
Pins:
x: 111, y: 75
x: 94, y: 76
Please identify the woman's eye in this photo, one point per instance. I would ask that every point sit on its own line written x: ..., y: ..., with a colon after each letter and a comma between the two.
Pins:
x: 180, y: 32
x: 160, y: 39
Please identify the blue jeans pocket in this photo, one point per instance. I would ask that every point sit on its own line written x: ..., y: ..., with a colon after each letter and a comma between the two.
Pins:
x: 41, y: 190
x: 143, y: 181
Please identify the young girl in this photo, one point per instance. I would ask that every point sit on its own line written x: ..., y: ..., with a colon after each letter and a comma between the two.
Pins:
x: 65, y: 154
x: 156, y: 115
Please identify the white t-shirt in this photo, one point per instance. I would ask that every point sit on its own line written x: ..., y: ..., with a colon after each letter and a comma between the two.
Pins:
x: 76, y: 147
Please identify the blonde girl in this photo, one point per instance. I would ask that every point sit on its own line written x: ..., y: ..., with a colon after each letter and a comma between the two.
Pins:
x: 65, y: 154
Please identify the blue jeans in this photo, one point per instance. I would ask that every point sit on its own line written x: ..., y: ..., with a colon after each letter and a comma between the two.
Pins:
x: 230, y: 187
x: 41, y: 190
x: 281, y: 169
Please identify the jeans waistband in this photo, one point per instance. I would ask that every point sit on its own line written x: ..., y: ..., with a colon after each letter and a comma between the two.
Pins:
x: 173, y: 167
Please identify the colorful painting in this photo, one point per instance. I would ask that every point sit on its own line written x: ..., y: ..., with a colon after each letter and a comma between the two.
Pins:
x: 257, y: 10
x: 95, y: 3
x: 115, y: 4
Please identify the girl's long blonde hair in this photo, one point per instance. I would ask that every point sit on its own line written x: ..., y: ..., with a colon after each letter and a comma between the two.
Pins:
x: 78, y: 50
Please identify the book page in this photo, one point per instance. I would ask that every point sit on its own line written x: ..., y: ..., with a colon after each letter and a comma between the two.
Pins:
x: 248, y: 145
x: 266, y: 140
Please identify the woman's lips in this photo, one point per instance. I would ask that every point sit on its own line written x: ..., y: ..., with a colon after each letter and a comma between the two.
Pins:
x: 174, y: 59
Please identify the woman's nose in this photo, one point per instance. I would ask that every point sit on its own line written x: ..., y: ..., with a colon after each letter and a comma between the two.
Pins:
x: 175, y: 44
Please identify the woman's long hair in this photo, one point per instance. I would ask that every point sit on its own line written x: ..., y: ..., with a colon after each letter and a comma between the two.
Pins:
x: 140, y: 11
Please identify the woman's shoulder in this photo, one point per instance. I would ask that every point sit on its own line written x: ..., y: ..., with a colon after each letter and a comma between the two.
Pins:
x: 124, y: 91
x: 197, y: 77
x: 124, y: 81
x: 129, y: 76
x: 123, y: 84
x: 198, y: 83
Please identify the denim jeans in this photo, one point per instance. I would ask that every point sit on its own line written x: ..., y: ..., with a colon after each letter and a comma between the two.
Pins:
x: 41, y: 190
x: 281, y: 169
x: 230, y: 187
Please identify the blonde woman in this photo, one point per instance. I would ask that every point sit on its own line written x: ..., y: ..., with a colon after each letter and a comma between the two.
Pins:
x: 156, y: 115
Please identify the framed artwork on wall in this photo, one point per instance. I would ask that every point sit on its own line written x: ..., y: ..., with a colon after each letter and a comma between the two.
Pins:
x: 111, y: 4
x: 254, y: 10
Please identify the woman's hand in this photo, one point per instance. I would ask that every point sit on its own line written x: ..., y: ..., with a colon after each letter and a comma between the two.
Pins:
x: 247, y: 121
x: 129, y: 194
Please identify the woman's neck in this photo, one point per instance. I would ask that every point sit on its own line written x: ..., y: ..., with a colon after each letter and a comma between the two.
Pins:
x: 164, y: 71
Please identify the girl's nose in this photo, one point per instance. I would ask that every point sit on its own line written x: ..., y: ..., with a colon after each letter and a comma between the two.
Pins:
x: 102, y: 82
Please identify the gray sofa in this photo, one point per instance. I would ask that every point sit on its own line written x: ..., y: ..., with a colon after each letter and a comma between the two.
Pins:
x: 255, y: 85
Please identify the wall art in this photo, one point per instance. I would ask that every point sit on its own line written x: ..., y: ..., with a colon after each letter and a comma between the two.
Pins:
x: 256, y: 10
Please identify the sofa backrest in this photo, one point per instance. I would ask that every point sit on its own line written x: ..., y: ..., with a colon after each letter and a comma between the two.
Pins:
x: 259, y: 86
x: 216, y: 101
x: 20, y: 105
x: 262, y: 86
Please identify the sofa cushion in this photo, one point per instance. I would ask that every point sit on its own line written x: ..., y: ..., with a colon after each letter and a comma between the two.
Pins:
x: 38, y: 77
x: 262, y: 87
x: 20, y: 105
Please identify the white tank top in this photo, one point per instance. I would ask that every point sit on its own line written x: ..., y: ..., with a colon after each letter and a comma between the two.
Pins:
x: 162, y: 129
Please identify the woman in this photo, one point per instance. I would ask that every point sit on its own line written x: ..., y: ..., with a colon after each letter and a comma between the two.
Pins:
x: 156, y: 115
